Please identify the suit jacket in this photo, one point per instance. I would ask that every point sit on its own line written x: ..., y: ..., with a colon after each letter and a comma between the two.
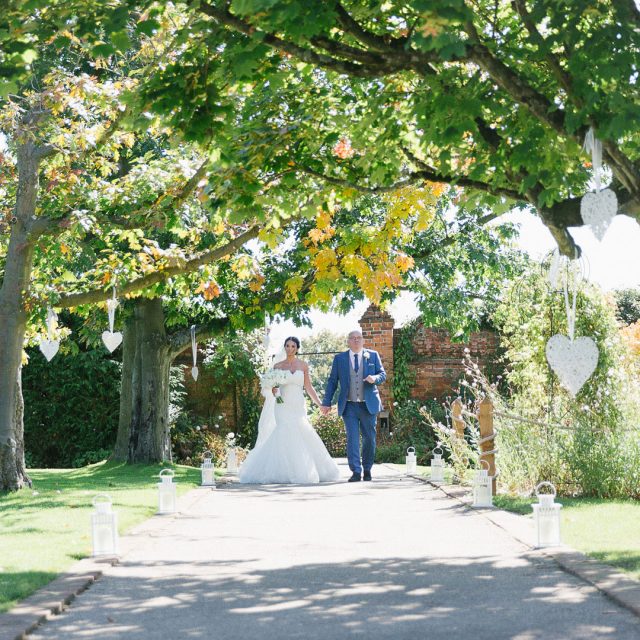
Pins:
x: 341, y: 373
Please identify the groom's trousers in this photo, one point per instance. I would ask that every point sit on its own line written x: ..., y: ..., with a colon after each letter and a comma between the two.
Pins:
x: 357, y: 421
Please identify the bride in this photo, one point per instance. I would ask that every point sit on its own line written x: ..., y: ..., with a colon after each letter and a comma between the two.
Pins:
x: 288, y: 450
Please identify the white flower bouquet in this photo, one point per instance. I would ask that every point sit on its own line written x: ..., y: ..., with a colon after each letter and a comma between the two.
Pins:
x: 273, y: 378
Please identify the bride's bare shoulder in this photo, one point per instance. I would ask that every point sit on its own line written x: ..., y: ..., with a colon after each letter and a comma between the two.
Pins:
x: 279, y: 365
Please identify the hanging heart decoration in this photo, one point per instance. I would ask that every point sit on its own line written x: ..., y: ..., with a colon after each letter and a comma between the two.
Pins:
x: 572, y: 359
x: 597, y: 209
x: 50, y: 346
x: 194, y: 353
x: 111, y: 338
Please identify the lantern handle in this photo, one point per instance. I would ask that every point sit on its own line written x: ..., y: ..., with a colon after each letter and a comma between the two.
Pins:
x: 165, y: 472
x: 411, y: 450
x: 207, y: 455
x: 101, y: 495
x: 435, y: 449
x: 485, y: 462
x: 545, y: 484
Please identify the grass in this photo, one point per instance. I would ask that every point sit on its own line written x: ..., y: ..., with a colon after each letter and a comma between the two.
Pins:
x: 606, y: 530
x: 44, y: 530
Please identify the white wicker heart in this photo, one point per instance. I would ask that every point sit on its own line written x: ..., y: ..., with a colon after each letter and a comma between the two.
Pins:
x: 598, y: 210
x: 49, y: 348
x: 573, y: 361
x: 111, y: 340
x: 194, y: 373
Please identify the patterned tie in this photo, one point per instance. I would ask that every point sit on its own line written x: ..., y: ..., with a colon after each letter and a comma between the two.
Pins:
x: 355, y: 362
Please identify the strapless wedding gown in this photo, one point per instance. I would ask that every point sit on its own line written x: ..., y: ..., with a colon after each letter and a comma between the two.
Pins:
x: 293, y: 452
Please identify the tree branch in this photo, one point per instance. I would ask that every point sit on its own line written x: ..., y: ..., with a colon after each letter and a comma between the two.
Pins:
x: 138, y: 284
x: 181, y: 339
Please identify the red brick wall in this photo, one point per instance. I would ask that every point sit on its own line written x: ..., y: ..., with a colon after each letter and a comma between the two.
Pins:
x: 438, y: 362
x: 377, y: 333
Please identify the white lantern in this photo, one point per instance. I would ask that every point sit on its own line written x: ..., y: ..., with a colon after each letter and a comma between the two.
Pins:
x: 166, y: 492
x: 482, y: 487
x: 410, y: 460
x: 208, y: 470
x: 437, y: 466
x: 546, y: 515
x: 232, y: 460
x: 104, y: 527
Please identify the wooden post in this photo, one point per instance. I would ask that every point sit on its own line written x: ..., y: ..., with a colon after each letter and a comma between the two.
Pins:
x: 456, y: 417
x: 485, y: 418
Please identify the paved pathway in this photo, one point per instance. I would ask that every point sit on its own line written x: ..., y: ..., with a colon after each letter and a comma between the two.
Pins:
x: 394, y: 558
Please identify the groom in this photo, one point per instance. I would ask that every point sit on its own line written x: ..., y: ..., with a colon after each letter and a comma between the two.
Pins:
x: 358, y: 371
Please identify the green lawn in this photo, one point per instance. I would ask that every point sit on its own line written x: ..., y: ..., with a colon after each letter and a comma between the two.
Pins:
x: 606, y: 530
x: 46, y: 529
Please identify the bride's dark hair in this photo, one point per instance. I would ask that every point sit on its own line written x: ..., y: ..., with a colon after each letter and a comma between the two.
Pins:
x: 293, y: 339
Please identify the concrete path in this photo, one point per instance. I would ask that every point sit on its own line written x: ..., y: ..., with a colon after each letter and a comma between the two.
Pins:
x: 394, y: 558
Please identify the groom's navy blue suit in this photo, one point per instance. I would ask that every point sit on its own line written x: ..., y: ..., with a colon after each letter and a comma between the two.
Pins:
x: 359, y: 417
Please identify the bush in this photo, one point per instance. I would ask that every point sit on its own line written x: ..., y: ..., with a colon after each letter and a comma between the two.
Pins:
x: 330, y: 428
x: 71, y: 408
x: 411, y: 428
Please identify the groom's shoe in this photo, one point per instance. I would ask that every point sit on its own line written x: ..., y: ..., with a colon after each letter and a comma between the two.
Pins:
x: 354, y: 478
x: 366, y: 475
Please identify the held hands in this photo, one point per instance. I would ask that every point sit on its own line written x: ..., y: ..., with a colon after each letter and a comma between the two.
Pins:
x: 324, y: 410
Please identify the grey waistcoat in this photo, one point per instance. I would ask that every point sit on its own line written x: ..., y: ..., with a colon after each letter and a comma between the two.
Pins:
x: 356, y: 386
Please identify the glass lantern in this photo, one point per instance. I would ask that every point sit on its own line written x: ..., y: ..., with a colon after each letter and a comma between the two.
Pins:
x: 437, y: 466
x: 546, y: 515
x: 482, y: 486
x: 232, y: 460
x: 104, y: 527
x: 208, y: 470
x: 166, y: 492
x: 410, y: 461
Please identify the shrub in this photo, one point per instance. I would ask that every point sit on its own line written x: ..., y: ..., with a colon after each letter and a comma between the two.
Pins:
x: 330, y: 428
x: 71, y: 408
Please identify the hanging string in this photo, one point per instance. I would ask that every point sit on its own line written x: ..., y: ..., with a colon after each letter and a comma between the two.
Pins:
x: 52, y: 323
x: 594, y: 146
x: 112, y: 305
x: 194, y: 346
x: 571, y: 310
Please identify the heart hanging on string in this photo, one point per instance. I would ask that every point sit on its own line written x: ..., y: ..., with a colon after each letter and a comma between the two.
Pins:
x: 598, y: 211
x: 49, y: 348
x: 112, y: 340
x: 573, y: 361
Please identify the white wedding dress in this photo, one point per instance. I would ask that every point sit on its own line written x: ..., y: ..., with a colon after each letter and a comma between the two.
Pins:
x: 288, y: 450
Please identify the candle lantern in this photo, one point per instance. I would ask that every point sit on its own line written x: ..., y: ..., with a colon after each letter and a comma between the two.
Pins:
x: 208, y: 470
x: 104, y: 527
x: 437, y: 466
x: 166, y: 492
x: 483, y: 486
x: 546, y: 515
x: 410, y: 460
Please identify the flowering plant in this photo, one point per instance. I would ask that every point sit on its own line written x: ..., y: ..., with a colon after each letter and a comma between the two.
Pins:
x: 231, y: 439
x: 273, y: 379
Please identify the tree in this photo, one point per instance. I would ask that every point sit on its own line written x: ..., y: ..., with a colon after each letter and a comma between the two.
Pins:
x: 628, y: 305
x: 496, y: 98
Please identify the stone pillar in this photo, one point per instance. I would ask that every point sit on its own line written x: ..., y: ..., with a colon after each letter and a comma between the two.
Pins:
x: 377, y: 332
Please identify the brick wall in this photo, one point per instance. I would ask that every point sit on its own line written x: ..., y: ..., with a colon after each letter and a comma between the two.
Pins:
x: 377, y: 334
x: 437, y: 362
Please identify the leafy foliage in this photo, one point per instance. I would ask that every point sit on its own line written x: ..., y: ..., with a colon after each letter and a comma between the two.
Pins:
x: 71, y: 408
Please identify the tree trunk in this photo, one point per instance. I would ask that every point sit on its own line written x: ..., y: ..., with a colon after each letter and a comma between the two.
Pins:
x: 143, y: 430
x: 13, y: 322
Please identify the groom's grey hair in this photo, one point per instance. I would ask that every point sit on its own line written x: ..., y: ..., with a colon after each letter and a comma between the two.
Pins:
x: 355, y: 332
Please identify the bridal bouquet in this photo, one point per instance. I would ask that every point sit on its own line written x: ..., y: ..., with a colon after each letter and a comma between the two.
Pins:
x: 273, y: 378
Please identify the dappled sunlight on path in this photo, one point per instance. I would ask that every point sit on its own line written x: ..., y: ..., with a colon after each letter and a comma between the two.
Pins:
x: 393, y: 558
